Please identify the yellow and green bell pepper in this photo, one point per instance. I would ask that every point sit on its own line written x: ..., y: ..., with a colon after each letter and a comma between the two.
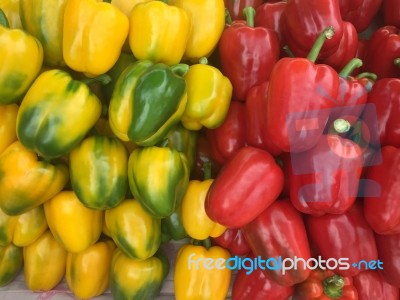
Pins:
x: 200, y: 273
x: 44, y: 263
x: 11, y: 262
x: 45, y: 21
x: 158, y: 177
x: 88, y: 272
x: 24, y: 229
x: 98, y: 170
x: 93, y: 36
x: 148, y: 101
x: 73, y: 225
x: 159, y: 32
x: 134, y: 230
x: 11, y: 10
x: 27, y: 182
x: 172, y: 227
x: 209, y: 95
x: 137, y: 279
x: 56, y: 113
x: 8, y: 119
x: 21, y: 57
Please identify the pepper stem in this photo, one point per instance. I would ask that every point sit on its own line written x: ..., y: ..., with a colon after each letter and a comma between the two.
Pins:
x: 180, y: 69
x: 3, y: 19
x: 397, y: 62
x: 207, y: 170
x: 203, y: 60
x: 102, y: 79
x: 228, y: 18
x: 205, y: 243
x: 333, y: 286
x: 328, y: 33
x: 249, y: 12
x: 371, y: 76
x: 353, y: 64
x: 341, y: 125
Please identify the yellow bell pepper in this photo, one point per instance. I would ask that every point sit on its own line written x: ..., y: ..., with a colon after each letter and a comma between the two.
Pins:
x: 24, y: 229
x: 27, y: 182
x: 209, y: 95
x: 201, y: 273
x: 21, y: 57
x: 208, y: 22
x: 134, y: 230
x: 44, y: 263
x: 11, y: 261
x: 93, y: 36
x: 159, y: 32
x: 8, y: 120
x: 73, y: 225
x: 194, y: 218
x: 87, y: 272
x: 11, y: 10
x: 126, y: 5
x: 44, y: 19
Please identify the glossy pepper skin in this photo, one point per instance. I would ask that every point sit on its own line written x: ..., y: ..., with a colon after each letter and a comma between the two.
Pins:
x: 11, y: 263
x: 385, y: 96
x: 21, y: 57
x: 389, y: 254
x: 325, y: 178
x: 235, y: 8
x: 148, y: 101
x: 247, y: 54
x: 258, y: 286
x: 279, y: 233
x: 87, y: 272
x: 371, y: 284
x: 27, y: 182
x: 44, y: 263
x: 133, y: 230
x: 233, y: 240
x: 45, y: 21
x: 56, y: 114
x: 208, y: 21
x: 325, y: 285
x: 158, y: 178
x: 385, y: 40
x: 345, y: 235
x: 73, y: 225
x: 137, y: 279
x: 193, y: 280
x: 159, y: 32
x: 24, y: 229
x: 391, y: 12
x: 194, y: 218
x: 11, y: 10
x: 126, y: 6
x: 381, y: 210
x: 305, y: 20
x: 209, y: 95
x: 232, y: 190
x: 98, y: 172
x: 93, y: 35
x: 360, y: 12
x: 8, y: 119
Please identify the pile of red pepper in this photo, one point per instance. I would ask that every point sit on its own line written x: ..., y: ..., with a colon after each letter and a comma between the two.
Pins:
x: 309, y: 151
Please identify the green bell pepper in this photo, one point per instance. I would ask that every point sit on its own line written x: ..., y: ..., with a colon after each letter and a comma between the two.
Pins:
x: 172, y: 227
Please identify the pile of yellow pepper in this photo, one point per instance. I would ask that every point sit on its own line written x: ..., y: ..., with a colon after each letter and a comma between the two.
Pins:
x: 90, y: 173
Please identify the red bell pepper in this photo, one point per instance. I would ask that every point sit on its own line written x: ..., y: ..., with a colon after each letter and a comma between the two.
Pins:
x: 227, y: 139
x: 306, y: 19
x: 258, y: 286
x: 385, y: 96
x: 255, y: 107
x: 389, y: 254
x: 247, y: 54
x: 382, y: 210
x: 270, y: 15
x: 325, y: 178
x: 382, y: 55
x: 359, y: 12
x: 246, y: 186
x: 278, y: 235
x: 235, y: 8
x: 203, y: 157
x: 371, y: 285
x: 391, y: 12
x: 325, y: 285
x: 300, y: 97
x: 233, y: 240
x: 347, y: 238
